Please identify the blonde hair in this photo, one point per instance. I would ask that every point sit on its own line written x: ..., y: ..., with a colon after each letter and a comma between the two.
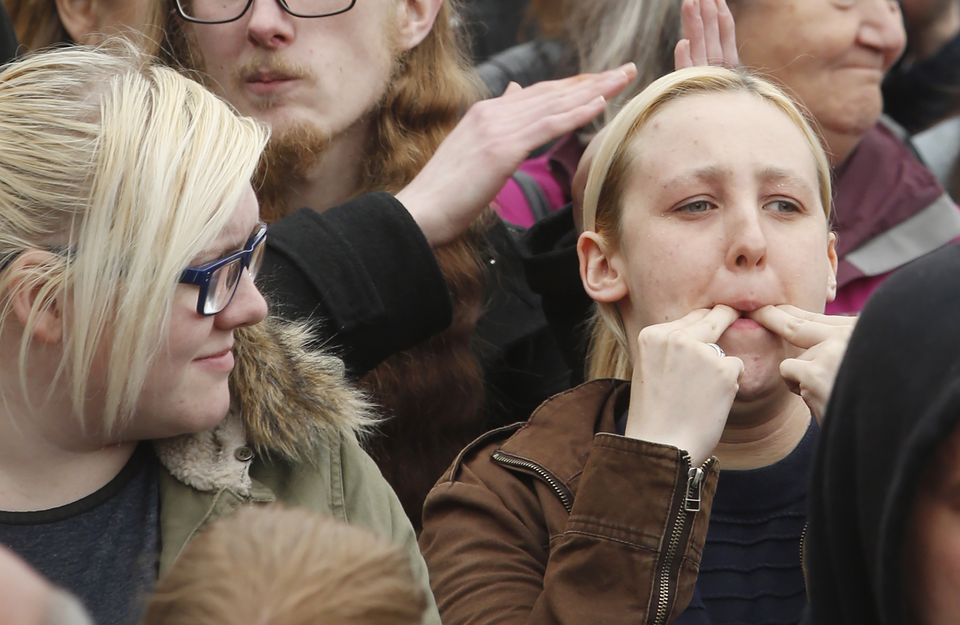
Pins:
x: 127, y: 170
x: 278, y: 566
x: 609, y: 354
x: 38, y: 25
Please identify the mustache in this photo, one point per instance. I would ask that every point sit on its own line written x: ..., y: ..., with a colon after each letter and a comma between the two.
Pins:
x: 273, y: 65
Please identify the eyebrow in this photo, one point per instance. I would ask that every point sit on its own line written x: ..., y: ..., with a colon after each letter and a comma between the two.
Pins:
x: 233, y: 246
x: 716, y: 173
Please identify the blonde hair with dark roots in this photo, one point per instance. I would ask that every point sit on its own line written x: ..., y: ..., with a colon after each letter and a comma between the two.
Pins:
x: 126, y: 171
x: 609, y: 33
x: 278, y: 566
x: 37, y: 25
x: 609, y: 354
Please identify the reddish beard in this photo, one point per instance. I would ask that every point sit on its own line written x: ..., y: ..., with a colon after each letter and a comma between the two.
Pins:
x: 287, y: 161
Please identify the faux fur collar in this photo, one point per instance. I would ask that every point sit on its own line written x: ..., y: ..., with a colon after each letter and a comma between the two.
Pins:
x: 288, y: 400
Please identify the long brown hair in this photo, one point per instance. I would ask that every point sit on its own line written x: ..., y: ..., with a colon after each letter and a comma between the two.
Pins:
x: 433, y: 393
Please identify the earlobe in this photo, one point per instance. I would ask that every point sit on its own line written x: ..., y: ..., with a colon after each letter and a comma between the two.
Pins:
x: 602, y: 278
x: 45, y: 321
x: 416, y: 19
x: 79, y: 19
x: 834, y: 262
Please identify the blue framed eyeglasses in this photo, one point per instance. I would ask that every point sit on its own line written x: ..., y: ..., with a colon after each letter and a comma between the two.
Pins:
x: 219, y: 278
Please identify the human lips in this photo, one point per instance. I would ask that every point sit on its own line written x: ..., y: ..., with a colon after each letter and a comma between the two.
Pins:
x: 268, y: 82
x: 745, y: 308
x: 221, y: 360
x: 865, y: 62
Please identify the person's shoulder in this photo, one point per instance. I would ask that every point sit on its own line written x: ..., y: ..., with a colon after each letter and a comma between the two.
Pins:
x: 564, y: 422
x: 917, y: 282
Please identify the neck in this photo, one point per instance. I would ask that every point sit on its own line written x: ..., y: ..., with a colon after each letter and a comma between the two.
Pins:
x: 44, y: 463
x: 839, y: 145
x: 336, y: 176
x: 762, y: 433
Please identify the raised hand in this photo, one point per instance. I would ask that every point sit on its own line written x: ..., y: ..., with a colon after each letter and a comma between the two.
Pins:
x: 682, y: 388
x: 823, y: 338
x: 709, y: 36
x: 493, y: 139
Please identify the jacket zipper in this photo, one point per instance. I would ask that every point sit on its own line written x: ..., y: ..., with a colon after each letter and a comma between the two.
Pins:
x: 679, y: 526
x: 803, y: 540
x: 532, y: 468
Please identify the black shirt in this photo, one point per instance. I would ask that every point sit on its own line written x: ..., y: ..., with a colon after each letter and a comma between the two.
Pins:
x: 103, y: 548
x: 750, y: 573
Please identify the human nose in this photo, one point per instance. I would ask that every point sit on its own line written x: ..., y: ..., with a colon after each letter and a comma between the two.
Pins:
x: 747, y: 242
x: 881, y: 28
x: 269, y: 25
x: 245, y: 309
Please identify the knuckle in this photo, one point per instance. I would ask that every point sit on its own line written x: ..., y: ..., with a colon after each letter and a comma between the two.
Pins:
x: 650, y: 336
x: 676, y: 337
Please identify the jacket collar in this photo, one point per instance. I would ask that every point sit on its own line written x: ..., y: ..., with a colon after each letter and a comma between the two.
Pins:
x: 554, y: 436
x: 289, y: 402
x: 881, y: 184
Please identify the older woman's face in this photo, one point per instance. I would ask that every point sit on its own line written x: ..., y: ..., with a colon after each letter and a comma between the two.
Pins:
x: 832, y: 54
x: 722, y: 206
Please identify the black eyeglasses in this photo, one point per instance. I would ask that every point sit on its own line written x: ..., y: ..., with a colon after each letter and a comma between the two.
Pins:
x: 223, y: 11
x: 219, y: 278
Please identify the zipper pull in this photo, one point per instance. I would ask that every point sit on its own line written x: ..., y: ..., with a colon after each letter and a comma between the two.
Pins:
x: 694, y: 486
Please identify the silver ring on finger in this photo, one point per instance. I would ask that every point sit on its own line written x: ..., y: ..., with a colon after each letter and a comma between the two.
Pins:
x: 718, y: 349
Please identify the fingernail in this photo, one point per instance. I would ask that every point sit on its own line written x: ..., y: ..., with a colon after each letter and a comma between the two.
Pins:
x: 627, y: 69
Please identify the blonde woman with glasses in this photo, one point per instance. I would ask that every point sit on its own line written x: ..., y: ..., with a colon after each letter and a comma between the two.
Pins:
x: 129, y: 242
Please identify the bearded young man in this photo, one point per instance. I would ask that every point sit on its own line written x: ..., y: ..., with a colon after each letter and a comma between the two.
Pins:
x: 359, y: 96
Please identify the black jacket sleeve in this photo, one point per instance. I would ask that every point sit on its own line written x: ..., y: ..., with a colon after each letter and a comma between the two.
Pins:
x: 553, y: 272
x: 364, y: 272
x: 8, y: 38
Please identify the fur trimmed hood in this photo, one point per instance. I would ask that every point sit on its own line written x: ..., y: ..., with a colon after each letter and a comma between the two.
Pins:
x: 289, y: 399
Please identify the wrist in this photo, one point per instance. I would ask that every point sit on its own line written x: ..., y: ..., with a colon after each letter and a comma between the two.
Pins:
x: 697, y: 450
x: 422, y: 215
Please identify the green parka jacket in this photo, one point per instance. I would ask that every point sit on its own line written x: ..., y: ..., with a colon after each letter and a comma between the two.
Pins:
x: 291, y: 436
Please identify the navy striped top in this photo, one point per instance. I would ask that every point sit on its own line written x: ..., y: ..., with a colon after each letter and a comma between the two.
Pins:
x: 750, y: 574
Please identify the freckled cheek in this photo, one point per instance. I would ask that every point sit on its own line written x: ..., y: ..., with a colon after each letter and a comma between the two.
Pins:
x: 668, y: 285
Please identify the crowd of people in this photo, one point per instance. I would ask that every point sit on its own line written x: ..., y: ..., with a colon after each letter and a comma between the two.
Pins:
x: 646, y: 318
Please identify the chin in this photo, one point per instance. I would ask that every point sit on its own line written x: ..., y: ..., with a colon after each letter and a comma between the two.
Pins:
x: 761, y: 376
x: 204, y: 415
x: 211, y: 415
x: 860, y: 114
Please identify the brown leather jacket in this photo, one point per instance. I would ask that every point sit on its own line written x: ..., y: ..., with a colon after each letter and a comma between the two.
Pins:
x: 558, y: 520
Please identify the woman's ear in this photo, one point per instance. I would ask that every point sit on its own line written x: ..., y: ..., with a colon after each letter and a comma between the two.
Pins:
x: 79, y: 19
x: 602, y: 277
x: 25, y: 295
x: 416, y: 19
x: 834, y: 261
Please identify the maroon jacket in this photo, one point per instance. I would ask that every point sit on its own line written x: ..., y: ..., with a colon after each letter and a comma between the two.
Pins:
x: 558, y: 520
